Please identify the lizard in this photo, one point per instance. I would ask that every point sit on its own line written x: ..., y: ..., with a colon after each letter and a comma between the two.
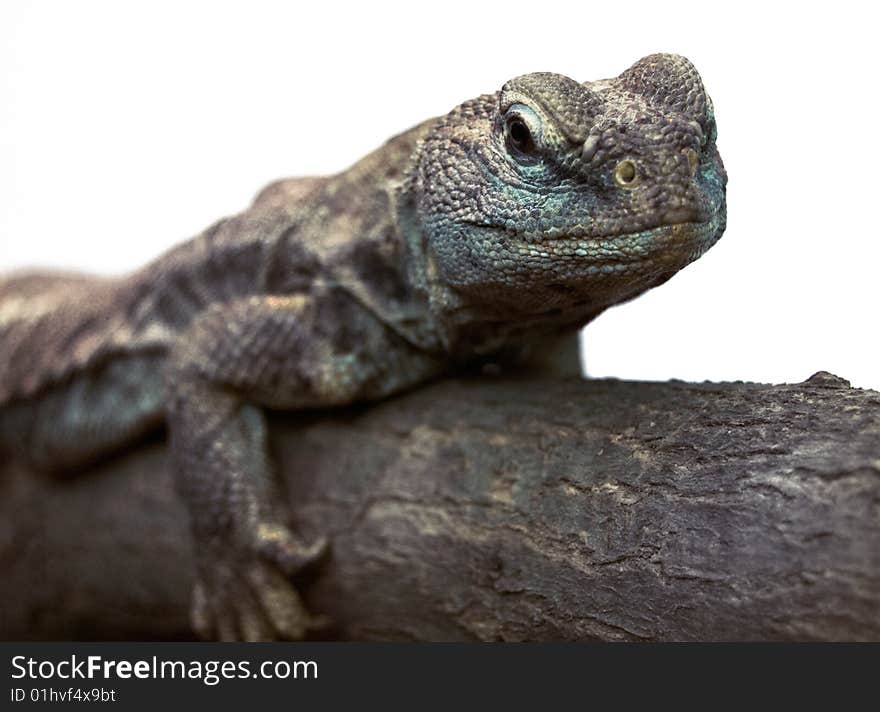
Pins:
x: 489, y: 235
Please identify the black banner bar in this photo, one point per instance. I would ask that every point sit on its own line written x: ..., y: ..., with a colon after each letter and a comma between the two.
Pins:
x: 413, y: 676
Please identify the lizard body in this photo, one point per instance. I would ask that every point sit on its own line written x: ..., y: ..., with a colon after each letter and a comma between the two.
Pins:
x: 490, y: 233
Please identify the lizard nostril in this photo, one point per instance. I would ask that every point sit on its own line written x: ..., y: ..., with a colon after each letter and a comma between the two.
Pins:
x: 625, y: 174
x: 693, y: 160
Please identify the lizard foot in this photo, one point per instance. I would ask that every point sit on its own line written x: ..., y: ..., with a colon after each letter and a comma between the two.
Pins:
x: 252, y: 598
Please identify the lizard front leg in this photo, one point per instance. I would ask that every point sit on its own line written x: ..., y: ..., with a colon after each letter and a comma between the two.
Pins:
x: 283, y: 352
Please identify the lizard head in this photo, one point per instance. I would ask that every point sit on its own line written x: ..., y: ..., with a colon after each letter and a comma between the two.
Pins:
x: 554, y: 195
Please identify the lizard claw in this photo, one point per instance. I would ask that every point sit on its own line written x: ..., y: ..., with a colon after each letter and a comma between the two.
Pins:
x: 253, y: 598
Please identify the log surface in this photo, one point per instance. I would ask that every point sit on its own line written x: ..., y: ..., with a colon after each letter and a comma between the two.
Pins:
x: 503, y: 510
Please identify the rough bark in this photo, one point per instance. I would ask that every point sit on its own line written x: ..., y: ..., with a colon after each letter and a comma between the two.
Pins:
x: 504, y: 510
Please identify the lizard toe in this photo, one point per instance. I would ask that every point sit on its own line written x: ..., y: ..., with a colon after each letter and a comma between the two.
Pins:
x: 280, y: 602
x: 201, y: 613
x: 253, y: 625
x: 222, y: 607
x: 226, y: 629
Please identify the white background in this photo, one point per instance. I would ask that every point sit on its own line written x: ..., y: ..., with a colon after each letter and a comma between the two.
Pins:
x: 128, y: 126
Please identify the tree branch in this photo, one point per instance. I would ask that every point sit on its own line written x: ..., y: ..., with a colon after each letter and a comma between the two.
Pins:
x: 504, y: 510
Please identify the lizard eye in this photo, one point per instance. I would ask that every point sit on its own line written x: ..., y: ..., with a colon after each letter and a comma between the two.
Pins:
x: 522, y: 130
x: 520, y: 136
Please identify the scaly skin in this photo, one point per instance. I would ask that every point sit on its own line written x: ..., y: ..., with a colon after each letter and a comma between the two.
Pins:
x: 489, y: 234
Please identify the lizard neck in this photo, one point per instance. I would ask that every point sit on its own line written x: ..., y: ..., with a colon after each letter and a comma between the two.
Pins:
x: 465, y: 330
x: 451, y: 317
x: 469, y: 328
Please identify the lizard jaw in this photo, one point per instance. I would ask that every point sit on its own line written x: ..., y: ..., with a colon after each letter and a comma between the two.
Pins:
x: 665, y: 246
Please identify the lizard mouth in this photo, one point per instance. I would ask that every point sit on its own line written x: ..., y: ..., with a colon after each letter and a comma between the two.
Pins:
x: 665, y: 245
